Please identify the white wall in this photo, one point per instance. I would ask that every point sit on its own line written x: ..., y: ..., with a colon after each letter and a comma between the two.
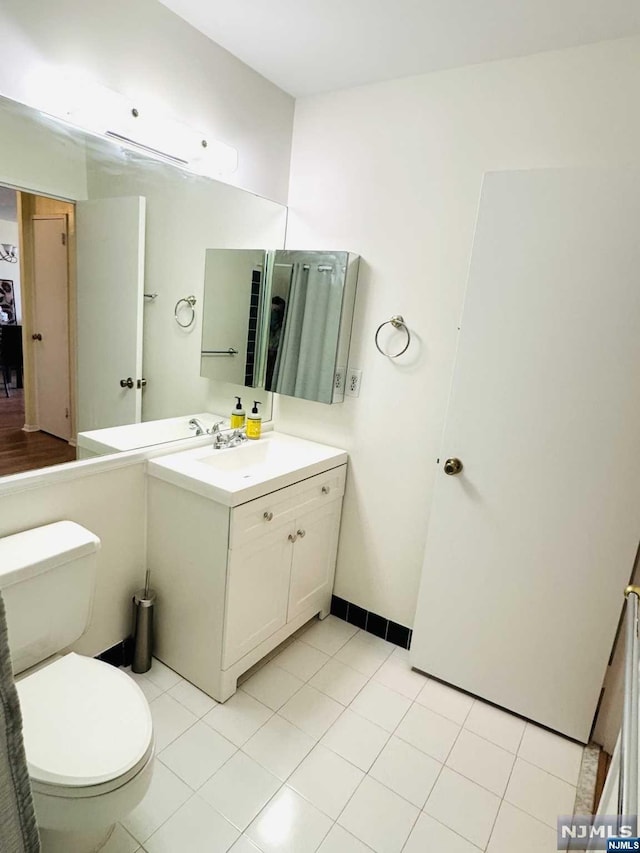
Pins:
x: 393, y: 172
x: 9, y: 234
x: 112, y: 505
x: 142, y: 50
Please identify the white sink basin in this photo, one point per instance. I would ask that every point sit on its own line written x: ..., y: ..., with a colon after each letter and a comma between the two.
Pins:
x: 235, y: 475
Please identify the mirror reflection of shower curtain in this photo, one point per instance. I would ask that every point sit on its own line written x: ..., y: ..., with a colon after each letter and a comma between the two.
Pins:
x: 305, y: 365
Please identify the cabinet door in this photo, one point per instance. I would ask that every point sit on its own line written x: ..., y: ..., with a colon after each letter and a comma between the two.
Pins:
x: 256, y: 596
x: 314, y: 558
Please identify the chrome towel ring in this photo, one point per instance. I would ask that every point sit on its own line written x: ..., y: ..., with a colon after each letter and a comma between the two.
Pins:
x: 186, y: 300
x: 397, y: 321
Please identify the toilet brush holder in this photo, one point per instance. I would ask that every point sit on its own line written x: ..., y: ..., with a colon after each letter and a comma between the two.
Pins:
x: 144, y: 601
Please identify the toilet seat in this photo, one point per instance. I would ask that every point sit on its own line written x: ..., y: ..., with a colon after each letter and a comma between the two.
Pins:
x: 87, y: 727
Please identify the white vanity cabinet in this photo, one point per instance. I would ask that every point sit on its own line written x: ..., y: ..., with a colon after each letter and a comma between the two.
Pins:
x: 234, y: 582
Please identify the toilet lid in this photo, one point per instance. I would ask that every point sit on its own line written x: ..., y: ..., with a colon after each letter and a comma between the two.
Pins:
x: 85, y: 722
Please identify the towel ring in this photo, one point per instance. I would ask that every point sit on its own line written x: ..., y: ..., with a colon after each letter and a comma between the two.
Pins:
x: 190, y: 301
x: 397, y: 321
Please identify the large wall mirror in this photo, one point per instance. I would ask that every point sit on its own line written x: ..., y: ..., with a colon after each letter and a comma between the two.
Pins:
x: 286, y: 323
x: 102, y: 282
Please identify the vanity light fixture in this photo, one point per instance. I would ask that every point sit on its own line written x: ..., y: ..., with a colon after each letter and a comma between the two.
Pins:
x: 8, y: 253
x: 135, y: 126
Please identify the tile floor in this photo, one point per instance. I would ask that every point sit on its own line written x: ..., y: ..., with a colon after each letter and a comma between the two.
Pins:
x: 337, y: 746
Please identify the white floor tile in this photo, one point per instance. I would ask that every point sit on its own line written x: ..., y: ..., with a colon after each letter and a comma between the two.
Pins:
x: 356, y: 739
x: 165, y: 796
x: 428, y: 731
x: 328, y: 635
x: 161, y: 675
x: 363, y: 655
x: 240, y: 789
x: 289, y: 824
x: 493, y: 724
x: 120, y: 842
x: 339, y: 681
x: 341, y: 841
x: 326, y: 780
x: 272, y: 685
x: 311, y: 711
x: 170, y: 720
x: 383, y: 646
x: 279, y: 747
x: 380, y: 818
x: 397, y: 674
x: 194, y: 700
x: 381, y: 705
x: 244, y: 845
x: 463, y: 806
x: 197, y: 754
x: 406, y: 770
x: 239, y: 718
x: 515, y: 830
x: 551, y: 752
x: 445, y: 700
x: 481, y: 761
x: 150, y: 690
x: 429, y: 836
x: 538, y: 793
x: 301, y: 660
x: 195, y: 827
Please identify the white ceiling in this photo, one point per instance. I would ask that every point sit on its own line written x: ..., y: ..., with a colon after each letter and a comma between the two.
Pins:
x: 310, y: 46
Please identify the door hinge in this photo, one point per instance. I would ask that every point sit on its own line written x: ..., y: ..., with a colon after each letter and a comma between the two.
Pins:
x: 64, y: 239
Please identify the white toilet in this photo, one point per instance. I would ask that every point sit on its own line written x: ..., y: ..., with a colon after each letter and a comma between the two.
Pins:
x: 87, y: 725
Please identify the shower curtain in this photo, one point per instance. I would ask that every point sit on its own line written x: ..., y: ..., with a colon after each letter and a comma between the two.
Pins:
x: 18, y: 830
x: 305, y: 366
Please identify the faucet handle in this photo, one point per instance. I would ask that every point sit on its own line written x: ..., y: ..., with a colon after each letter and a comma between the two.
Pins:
x: 215, y: 428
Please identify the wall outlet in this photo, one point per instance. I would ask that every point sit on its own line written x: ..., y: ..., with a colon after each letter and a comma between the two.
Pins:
x: 338, y: 383
x: 354, y: 380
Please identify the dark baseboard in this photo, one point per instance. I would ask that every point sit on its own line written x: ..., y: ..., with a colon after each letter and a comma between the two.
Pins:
x: 119, y: 655
x: 371, y: 622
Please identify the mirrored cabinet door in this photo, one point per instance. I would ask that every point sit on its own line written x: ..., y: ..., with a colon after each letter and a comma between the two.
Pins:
x: 232, y: 338
x: 280, y: 320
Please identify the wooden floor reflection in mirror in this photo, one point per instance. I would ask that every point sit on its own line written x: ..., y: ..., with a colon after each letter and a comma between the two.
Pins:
x: 26, y: 451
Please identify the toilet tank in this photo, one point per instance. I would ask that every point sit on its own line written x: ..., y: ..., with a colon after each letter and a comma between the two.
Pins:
x: 47, y: 581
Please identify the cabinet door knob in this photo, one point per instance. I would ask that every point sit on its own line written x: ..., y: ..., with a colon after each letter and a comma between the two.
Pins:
x: 326, y: 490
x: 301, y: 533
x: 292, y: 537
x: 268, y: 516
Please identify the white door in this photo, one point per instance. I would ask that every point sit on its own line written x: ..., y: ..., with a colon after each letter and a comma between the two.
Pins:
x: 110, y: 249
x: 50, y: 339
x: 529, y: 548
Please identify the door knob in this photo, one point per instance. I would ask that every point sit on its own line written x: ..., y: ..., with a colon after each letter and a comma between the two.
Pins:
x: 452, y: 466
x: 141, y: 383
x: 37, y: 337
x: 268, y: 516
x: 292, y: 537
x: 126, y: 383
x: 301, y: 533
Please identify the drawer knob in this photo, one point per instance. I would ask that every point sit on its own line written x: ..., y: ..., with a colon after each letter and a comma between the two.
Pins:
x: 326, y: 490
x: 268, y: 516
x: 292, y: 537
x: 301, y: 533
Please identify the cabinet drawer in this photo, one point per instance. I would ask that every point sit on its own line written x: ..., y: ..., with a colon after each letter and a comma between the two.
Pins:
x: 256, y: 518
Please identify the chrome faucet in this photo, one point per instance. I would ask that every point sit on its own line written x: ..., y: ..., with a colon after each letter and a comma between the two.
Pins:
x: 232, y: 439
x: 201, y: 429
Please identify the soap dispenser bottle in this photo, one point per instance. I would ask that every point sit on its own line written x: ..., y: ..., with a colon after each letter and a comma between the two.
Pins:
x: 237, y: 415
x: 254, y: 421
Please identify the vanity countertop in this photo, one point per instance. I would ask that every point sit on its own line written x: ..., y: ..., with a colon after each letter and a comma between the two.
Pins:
x: 233, y: 476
